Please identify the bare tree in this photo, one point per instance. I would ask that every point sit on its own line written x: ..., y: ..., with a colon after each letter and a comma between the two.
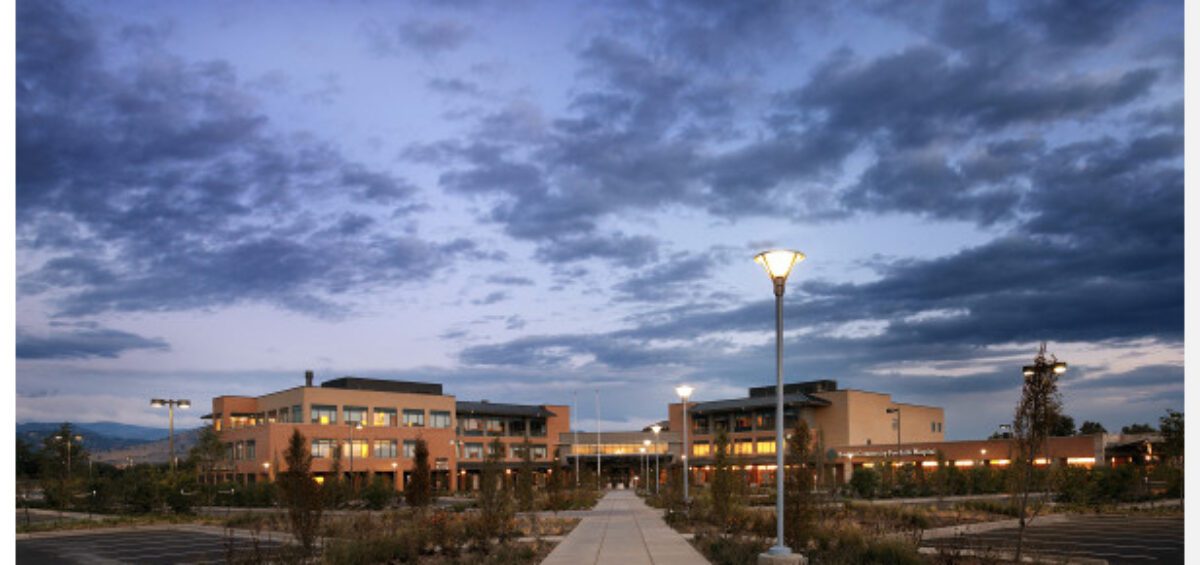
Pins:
x: 1037, y: 414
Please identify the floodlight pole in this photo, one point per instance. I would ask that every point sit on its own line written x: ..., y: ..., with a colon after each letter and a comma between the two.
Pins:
x: 171, y: 403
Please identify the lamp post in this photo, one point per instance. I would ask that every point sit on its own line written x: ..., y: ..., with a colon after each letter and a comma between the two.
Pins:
x: 646, y: 452
x: 685, y: 392
x: 267, y: 470
x: 778, y: 264
x: 171, y: 404
x: 642, y: 464
x: 575, y: 433
x: 656, y: 428
x: 69, y: 440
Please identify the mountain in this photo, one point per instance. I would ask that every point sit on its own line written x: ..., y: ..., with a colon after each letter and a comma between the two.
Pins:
x: 100, y: 437
x: 150, y: 452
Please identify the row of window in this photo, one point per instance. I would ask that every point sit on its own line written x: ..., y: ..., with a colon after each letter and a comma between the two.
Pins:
x: 241, y: 450
x: 494, y: 426
x: 386, y: 449
x: 763, y: 420
x: 351, y: 415
x: 758, y: 446
x: 515, y: 451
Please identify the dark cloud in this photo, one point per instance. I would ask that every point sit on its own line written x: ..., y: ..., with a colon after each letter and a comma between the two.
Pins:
x: 84, y: 343
x: 1140, y: 378
x: 428, y: 37
x: 678, y: 275
x: 510, y: 280
x: 454, y: 86
x: 160, y: 186
x: 491, y: 298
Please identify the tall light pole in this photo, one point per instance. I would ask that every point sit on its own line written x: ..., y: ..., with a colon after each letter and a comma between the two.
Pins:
x: 778, y: 264
x: 646, y: 464
x: 685, y: 392
x: 642, y: 466
x: 575, y: 441
x: 171, y: 404
x: 356, y: 426
x: 598, y: 481
x: 656, y: 428
x: 69, y: 440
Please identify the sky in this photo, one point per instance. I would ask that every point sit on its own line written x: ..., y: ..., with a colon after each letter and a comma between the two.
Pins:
x: 542, y: 202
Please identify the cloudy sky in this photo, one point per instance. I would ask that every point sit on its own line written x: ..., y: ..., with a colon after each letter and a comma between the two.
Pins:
x: 522, y: 200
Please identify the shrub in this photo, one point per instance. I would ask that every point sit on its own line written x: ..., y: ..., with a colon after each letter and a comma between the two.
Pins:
x: 419, y: 490
x: 864, y: 483
x: 379, y: 494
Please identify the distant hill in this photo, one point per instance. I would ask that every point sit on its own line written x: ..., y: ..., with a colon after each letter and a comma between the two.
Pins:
x: 100, y: 438
x: 150, y: 452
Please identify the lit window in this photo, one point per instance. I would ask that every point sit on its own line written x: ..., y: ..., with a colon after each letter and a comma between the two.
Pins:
x: 384, y: 417
x: 360, y: 449
x: 410, y: 449
x: 352, y: 415
x: 322, y: 448
x: 473, y: 451
x: 766, y: 446
x: 324, y: 415
x: 743, y: 447
x: 414, y: 418
x: 701, y: 449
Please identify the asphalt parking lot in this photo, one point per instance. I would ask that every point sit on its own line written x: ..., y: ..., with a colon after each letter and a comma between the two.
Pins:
x: 137, y: 546
x: 1116, y: 539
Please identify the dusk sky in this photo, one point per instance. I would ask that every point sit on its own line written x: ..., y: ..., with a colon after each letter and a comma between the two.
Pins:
x: 521, y: 200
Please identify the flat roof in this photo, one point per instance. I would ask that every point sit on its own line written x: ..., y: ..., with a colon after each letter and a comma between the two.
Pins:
x: 384, y: 385
x: 755, y: 402
x: 500, y: 409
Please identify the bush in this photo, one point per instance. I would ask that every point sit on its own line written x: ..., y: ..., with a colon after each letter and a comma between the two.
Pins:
x: 379, y: 494
x: 864, y: 483
x: 731, y: 550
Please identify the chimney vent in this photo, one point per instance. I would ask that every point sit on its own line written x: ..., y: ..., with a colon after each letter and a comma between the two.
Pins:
x: 308, y: 376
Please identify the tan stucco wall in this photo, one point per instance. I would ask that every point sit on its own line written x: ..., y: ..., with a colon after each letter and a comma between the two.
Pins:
x: 857, y: 417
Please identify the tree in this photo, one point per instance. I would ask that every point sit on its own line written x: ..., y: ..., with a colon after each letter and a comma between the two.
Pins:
x: 1064, y: 426
x: 723, y: 483
x: 1171, y: 427
x: 208, y: 452
x: 798, y: 504
x: 524, y: 490
x: 418, y: 493
x: 1089, y: 427
x: 27, y: 460
x: 1138, y: 429
x: 495, y: 509
x: 61, y: 458
x: 301, y: 494
x: 1039, y: 409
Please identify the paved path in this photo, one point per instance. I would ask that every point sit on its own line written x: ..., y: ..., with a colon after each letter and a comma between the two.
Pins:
x: 622, y: 530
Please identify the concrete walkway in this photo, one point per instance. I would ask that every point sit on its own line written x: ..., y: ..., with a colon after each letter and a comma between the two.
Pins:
x: 622, y: 530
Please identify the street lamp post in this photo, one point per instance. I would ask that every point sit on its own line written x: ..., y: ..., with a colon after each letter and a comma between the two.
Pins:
x: 656, y: 428
x: 69, y: 440
x: 646, y: 465
x: 171, y: 404
x: 642, y: 465
x: 685, y: 392
x: 778, y: 264
x: 356, y: 426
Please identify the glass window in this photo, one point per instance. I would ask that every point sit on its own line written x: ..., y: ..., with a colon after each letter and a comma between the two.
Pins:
x: 384, y: 417
x: 720, y: 424
x: 385, y: 448
x: 228, y: 451
x: 743, y: 446
x: 239, y: 450
x: 470, y: 426
x: 516, y: 451
x: 414, y: 418
x: 539, y: 451
x: 516, y: 427
x: 217, y: 421
x: 439, y: 419
x: 537, y: 427
x: 495, y: 426
x: 473, y: 451
x: 491, y: 449
x: 251, y: 450
x: 297, y: 414
x: 766, y: 445
x: 790, y: 413
x: 700, y: 424
x: 764, y: 420
x: 354, y: 415
x: 360, y: 448
x: 322, y: 448
x: 324, y: 415
x: 933, y: 426
x: 743, y: 423
x: 271, y: 416
x: 410, y: 449
x: 701, y: 449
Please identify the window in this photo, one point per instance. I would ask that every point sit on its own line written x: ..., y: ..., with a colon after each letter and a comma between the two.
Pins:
x: 385, y: 448
x: 414, y: 418
x: 516, y: 427
x: 470, y: 426
x: 360, y: 449
x: 720, y: 424
x: 384, y: 417
x: 322, y: 448
x: 228, y: 451
x: 701, y: 449
x: 473, y: 451
x: 537, y: 427
x: 790, y: 414
x: 324, y: 415
x: 352, y: 415
x: 410, y: 449
x: 439, y: 419
x: 743, y: 423
x: 933, y: 426
x: 495, y: 426
x: 297, y: 414
x: 700, y: 424
x: 491, y: 449
x: 764, y: 420
x: 743, y: 447
x: 217, y: 421
x: 271, y: 416
x: 239, y: 450
x: 250, y: 450
x: 539, y: 451
x: 766, y: 445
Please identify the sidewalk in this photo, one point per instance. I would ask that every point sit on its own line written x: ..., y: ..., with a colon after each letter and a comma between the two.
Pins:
x: 622, y: 530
